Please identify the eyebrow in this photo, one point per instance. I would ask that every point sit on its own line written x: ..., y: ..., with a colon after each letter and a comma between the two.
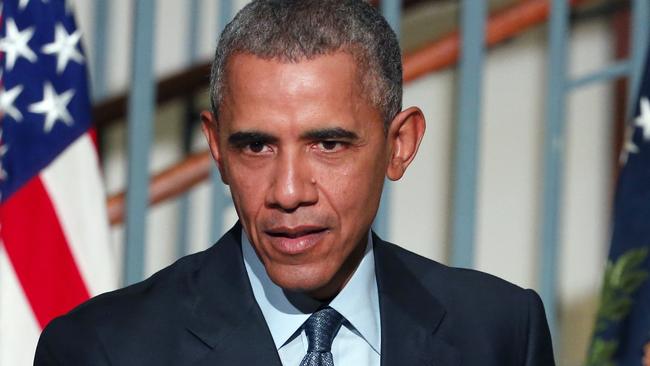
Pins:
x: 330, y: 134
x: 242, y: 138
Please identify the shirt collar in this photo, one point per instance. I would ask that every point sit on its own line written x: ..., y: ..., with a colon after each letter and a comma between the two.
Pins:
x: 358, y: 301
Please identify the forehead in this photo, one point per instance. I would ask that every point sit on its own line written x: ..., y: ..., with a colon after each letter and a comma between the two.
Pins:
x: 327, y: 86
x: 268, y: 78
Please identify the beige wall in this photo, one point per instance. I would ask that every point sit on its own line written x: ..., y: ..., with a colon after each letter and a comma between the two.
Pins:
x: 510, y: 176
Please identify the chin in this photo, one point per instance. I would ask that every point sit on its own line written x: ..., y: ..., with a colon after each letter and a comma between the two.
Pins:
x: 302, y: 280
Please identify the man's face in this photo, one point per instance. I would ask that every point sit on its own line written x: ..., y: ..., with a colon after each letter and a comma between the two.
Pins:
x: 304, y: 153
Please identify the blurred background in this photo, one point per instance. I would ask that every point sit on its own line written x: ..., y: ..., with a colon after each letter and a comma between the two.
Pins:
x: 515, y: 177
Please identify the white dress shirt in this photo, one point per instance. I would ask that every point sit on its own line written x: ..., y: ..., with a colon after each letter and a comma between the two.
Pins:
x: 358, y: 342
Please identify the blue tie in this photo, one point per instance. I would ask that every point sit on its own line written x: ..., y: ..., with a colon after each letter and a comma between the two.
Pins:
x: 321, y: 328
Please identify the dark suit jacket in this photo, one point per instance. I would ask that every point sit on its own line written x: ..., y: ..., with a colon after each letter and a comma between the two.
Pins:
x: 201, y: 311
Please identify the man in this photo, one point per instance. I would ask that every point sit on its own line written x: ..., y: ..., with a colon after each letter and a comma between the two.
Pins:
x: 306, y: 122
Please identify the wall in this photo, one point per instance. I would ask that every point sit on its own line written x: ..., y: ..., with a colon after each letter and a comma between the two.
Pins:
x: 510, y: 164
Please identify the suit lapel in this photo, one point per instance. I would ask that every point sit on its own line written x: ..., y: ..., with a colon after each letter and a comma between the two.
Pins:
x: 224, y: 315
x: 410, y: 315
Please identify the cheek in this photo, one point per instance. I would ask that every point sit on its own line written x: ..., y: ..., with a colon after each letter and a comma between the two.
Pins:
x: 353, y: 189
x: 247, y: 190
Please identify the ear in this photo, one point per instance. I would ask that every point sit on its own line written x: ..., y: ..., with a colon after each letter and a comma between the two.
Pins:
x: 404, y: 136
x: 210, y: 129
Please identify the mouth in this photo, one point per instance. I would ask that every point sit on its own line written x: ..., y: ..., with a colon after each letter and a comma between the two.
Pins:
x: 295, y: 240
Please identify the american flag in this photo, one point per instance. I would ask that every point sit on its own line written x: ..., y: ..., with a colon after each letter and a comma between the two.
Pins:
x: 623, y: 321
x: 54, y: 234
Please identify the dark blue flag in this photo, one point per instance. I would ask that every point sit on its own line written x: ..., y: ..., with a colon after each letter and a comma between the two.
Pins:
x: 622, y: 333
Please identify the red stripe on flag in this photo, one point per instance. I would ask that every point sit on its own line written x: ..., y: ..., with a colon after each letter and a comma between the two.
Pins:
x: 93, y: 136
x: 39, y: 253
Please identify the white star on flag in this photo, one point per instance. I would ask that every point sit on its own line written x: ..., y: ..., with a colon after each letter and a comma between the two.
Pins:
x: 23, y: 4
x: 15, y: 44
x: 643, y: 120
x: 64, y: 46
x: 7, y: 98
x: 54, y: 106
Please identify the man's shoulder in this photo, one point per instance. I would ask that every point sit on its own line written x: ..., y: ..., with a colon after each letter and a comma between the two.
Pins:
x: 459, y: 288
x: 158, y: 294
x: 482, y: 313
x: 164, y: 292
x: 432, y: 269
x: 155, y: 314
x: 145, y: 316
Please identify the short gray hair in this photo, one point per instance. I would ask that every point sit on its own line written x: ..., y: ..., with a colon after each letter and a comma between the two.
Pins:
x: 294, y: 30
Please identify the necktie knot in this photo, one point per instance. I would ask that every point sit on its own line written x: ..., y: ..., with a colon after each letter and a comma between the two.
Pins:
x: 321, y: 328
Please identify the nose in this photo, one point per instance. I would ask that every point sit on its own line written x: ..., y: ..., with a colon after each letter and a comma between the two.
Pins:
x: 293, y: 185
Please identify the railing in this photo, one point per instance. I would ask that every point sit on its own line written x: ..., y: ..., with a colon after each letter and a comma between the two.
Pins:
x: 437, y: 55
x: 433, y: 57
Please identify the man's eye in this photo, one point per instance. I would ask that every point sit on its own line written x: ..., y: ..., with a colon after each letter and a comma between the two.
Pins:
x: 257, y: 147
x: 331, y: 146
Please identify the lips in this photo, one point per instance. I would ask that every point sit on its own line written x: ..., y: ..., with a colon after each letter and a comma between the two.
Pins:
x: 295, y: 240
